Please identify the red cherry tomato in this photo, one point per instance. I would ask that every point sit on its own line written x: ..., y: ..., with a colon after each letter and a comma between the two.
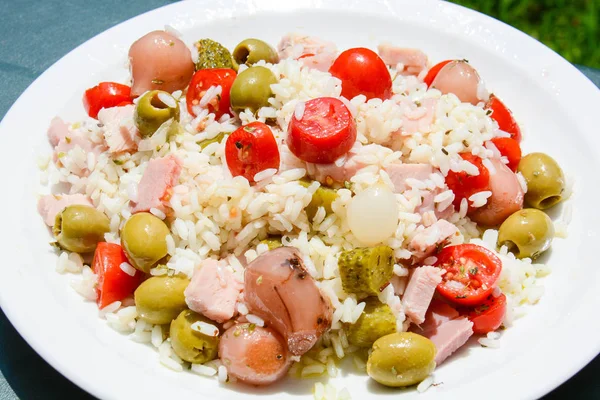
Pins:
x: 325, y: 132
x: 250, y: 149
x: 202, y: 81
x: 509, y: 148
x: 362, y: 71
x: 503, y: 116
x: 114, y: 284
x: 488, y: 316
x: 464, y: 185
x: 434, y: 71
x: 471, y: 273
x: 106, y: 95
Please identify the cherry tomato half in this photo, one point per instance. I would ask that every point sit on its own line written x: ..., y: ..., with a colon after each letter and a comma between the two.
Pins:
x: 114, y: 284
x: 202, y: 81
x: 464, y: 185
x: 106, y: 95
x: 509, y: 148
x: 325, y: 131
x: 362, y: 71
x: 434, y: 71
x: 471, y: 273
x: 250, y: 149
x: 503, y: 116
x: 488, y: 316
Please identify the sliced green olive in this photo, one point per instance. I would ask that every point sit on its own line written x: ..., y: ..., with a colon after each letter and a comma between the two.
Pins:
x: 154, y: 109
x: 251, y: 51
x: 322, y: 197
x: 252, y: 89
x: 527, y: 233
x: 79, y: 228
x: 401, y: 359
x: 188, y: 343
x: 545, y: 180
x: 216, y: 139
x: 160, y: 299
x: 144, y: 239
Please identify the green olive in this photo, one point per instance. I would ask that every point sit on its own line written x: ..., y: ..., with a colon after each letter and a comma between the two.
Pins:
x: 79, y: 228
x: 401, y: 359
x: 160, y: 299
x: 189, y: 344
x: 144, y: 239
x: 526, y: 233
x: 151, y: 112
x: 545, y: 180
x: 251, y: 51
x: 252, y: 89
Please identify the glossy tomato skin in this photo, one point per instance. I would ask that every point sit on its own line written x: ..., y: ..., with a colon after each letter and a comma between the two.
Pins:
x: 434, y: 71
x: 509, y: 148
x: 250, y: 149
x: 475, y: 267
x: 325, y: 131
x: 202, y: 81
x: 503, y: 116
x: 464, y: 185
x: 106, y: 95
x: 362, y: 71
x: 114, y: 284
x: 488, y: 316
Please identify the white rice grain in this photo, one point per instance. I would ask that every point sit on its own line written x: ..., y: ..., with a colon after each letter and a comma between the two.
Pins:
x: 205, y: 328
x: 158, y: 213
x: 299, y: 110
x: 203, y: 370
x: 425, y: 384
x: 253, y: 319
x: 127, y: 268
x: 222, y: 374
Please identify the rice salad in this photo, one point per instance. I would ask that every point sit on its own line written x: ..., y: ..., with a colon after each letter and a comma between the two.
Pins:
x: 270, y: 212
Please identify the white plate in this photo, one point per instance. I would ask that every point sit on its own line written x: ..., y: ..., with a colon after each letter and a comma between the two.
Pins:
x: 558, y: 109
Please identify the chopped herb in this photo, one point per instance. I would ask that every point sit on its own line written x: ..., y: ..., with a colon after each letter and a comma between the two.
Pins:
x: 465, y: 60
x: 237, y: 332
x: 462, y: 296
x: 444, y: 151
x: 462, y: 270
x: 60, y: 155
x: 249, y: 129
x: 158, y: 81
x: 473, y: 271
x: 67, y: 139
x: 218, y: 97
x: 119, y: 162
x: 251, y: 328
x: 348, y: 185
x: 488, y: 112
x: 279, y: 356
x: 171, y: 43
x: 465, y: 143
x: 239, y: 145
x: 259, y: 280
x: 418, y: 103
x: 448, y: 131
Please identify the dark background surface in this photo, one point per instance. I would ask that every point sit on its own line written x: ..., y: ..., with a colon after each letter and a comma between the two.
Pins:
x: 35, y: 34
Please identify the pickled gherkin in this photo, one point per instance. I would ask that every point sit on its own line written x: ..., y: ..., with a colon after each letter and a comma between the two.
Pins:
x: 272, y: 242
x: 364, y: 271
x: 377, y: 320
x: 322, y: 197
x: 212, y: 54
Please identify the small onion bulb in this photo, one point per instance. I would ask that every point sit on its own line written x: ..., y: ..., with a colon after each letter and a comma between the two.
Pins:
x: 373, y: 215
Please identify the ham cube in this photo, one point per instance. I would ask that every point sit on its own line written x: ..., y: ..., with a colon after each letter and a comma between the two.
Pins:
x: 450, y: 336
x: 155, y: 188
x: 419, y: 292
x: 437, y: 314
x: 50, y: 205
x: 424, y: 243
x: 399, y: 173
x: 120, y: 132
x: 213, y: 291
x: 413, y: 60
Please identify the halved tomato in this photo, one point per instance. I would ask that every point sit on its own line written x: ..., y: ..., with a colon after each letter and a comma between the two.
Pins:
x: 487, y: 316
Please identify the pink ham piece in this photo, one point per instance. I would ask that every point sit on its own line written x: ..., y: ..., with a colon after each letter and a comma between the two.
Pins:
x: 254, y: 355
x: 419, y: 119
x: 120, y: 132
x: 155, y: 188
x: 326, y: 173
x: 399, y: 173
x: 213, y: 291
x: 437, y: 314
x: 50, y: 205
x: 459, y: 78
x: 413, y: 60
x: 419, y: 292
x: 424, y: 243
x: 450, y: 336
x: 311, y: 51
x: 57, y: 131
x: 159, y: 60
x: 63, y: 139
x: 280, y: 290
x: 428, y: 204
x: 506, y: 199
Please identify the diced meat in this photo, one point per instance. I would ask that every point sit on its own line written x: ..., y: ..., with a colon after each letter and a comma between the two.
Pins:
x: 424, y: 243
x: 399, y: 173
x: 254, y: 355
x: 413, y: 60
x: 120, y: 132
x: 419, y: 119
x: 419, y: 292
x: 280, y: 290
x: 213, y: 291
x: 50, y: 205
x: 57, y: 131
x: 325, y: 173
x: 450, y: 336
x: 155, y: 188
x: 311, y: 51
x: 437, y: 314
x: 506, y: 199
x: 428, y: 204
